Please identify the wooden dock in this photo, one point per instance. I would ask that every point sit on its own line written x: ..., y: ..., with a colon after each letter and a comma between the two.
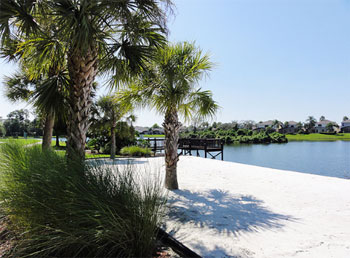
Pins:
x: 211, y: 147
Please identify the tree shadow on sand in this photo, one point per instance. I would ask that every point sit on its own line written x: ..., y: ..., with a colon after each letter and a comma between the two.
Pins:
x: 223, y: 212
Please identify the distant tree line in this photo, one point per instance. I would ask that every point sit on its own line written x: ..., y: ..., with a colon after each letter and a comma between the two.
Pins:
x: 234, y: 133
x: 18, y: 124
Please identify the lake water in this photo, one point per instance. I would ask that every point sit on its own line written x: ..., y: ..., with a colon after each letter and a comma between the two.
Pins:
x: 320, y: 158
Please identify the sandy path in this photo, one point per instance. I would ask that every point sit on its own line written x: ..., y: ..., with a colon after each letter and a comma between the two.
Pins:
x: 231, y: 209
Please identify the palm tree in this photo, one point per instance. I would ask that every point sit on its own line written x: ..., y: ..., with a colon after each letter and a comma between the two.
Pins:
x: 46, y: 94
x: 131, y: 119
x: 330, y: 127
x: 299, y: 127
x: 311, y: 122
x: 276, y: 124
x: 169, y: 85
x: 113, y: 37
x: 110, y: 111
x: 345, y: 118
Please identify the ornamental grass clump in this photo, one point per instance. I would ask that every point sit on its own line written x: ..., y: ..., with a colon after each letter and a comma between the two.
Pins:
x: 71, y: 209
x: 135, y: 151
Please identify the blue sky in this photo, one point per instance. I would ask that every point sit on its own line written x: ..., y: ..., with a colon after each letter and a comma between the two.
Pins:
x: 275, y: 59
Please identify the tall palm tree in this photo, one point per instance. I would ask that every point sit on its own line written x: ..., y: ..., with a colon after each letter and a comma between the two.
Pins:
x: 169, y: 85
x: 114, y: 37
x: 110, y: 111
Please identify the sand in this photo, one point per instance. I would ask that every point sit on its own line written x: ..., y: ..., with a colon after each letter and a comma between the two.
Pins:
x: 230, y: 209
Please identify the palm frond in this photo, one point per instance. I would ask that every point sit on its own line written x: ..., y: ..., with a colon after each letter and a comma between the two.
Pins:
x: 18, y: 12
x: 18, y: 87
x: 170, y: 82
x: 49, y: 96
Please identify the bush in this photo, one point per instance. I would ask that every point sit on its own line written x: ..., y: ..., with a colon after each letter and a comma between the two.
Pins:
x: 135, y: 151
x: 76, y: 210
x: 93, y: 144
x: 143, y: 143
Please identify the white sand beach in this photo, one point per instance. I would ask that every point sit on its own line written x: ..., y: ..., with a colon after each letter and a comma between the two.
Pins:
x: 230, y: 209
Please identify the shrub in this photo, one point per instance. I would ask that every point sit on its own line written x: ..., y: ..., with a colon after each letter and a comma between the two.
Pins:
x: 135, y: 151
x: 143, y: 143
x: 93, y: 144
x: 85, y: 210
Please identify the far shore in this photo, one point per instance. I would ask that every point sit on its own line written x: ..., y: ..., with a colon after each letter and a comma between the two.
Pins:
x: 230, y: 209
x: 319, y: 137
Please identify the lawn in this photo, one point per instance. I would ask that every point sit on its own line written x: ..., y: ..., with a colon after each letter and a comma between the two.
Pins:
x: 62, y: 144
x: 21, y: 141
x: 319, y: 137
x: 62, y: 151
x: 95, y: 156
x: 153, y: 136
x: 89, y: 155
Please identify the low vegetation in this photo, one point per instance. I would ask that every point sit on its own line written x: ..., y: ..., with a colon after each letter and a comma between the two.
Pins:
x: 238, y: 136
x: 135, y: 151
x: 75, y: 210
x: 319, y: 137
x: 97, y: 156
x: 20, y: 141
x: 153, y: 136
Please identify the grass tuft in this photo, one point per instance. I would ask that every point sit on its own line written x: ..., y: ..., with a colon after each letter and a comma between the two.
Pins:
x: 135, y: 151
x: 76, y: 210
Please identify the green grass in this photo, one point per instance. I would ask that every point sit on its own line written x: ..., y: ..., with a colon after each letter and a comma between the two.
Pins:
x: 319, y: 137
x: 62, y: 144
x: 153, y: 136
x: 96, y: 156
x: 87, y: 155
x: 20, y: 141
x: 135, y: 151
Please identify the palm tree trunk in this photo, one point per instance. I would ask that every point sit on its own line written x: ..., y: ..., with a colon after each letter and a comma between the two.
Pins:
x: 82, y: 71
x: 48, y: 129
x: 171, y: 129
x: 113, y: 143
x: 57, y: 140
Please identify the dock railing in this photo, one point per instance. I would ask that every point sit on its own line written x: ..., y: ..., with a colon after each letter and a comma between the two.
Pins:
x: 211, y: 147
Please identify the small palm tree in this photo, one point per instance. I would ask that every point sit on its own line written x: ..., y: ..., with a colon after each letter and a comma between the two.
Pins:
x: 131, y: 119
x: 276, y: 124
x: 330, y: 127
x: 345, y: 118
x: 299, y: 127
x: 110, y: 111
x: 169, y: 85
x: 311, y: 122
x: 46, y: 94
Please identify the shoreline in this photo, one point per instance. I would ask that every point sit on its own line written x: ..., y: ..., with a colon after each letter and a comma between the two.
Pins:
x: 231, y: 209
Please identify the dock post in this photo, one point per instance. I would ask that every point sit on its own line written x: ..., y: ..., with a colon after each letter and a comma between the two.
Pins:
x: 205, y: 149
x: 155, y: 146
x: 222, y: 150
